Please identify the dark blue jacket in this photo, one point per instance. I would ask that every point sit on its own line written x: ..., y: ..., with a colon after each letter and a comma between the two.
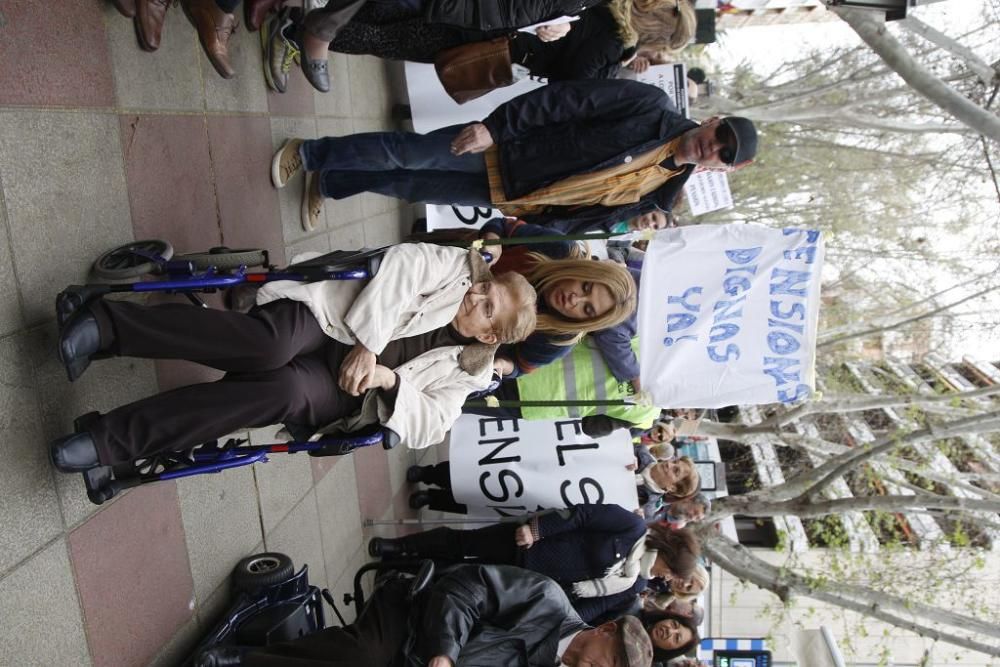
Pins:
x: 586, y: 544
x: 573, y: 127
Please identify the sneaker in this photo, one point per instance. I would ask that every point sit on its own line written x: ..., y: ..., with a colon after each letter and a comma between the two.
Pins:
x: 279, y: 52
x: 286, y: 163
x: 312, y: 202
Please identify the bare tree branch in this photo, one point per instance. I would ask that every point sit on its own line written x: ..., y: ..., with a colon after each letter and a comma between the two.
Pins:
x: 876, y: 36
x: 785, y: 583
x: 982, y: 69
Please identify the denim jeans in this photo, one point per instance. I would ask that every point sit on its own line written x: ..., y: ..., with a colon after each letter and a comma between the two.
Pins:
x: 415, y: 167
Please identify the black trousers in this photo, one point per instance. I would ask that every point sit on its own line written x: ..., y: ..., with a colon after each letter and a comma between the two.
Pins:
x: 442, y: 499
x: 374, y: 640
x: 280, y: 369
x: 492, y: 544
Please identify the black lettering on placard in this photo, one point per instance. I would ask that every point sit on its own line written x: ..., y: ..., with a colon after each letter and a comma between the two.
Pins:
x: 492, y: 458
x: 498, y: 421
x: 502, y: 479
x: 563, y: 448
x: 575, y: 423
x: 477, y: 213
x: 583, y: 484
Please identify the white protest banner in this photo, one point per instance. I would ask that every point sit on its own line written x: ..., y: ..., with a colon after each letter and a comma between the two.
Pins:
x: 506, y: 466
x: 708, y: 191
x: 733, y: 319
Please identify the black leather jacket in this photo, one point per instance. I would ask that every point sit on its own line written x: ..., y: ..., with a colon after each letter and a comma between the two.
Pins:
x: 574, y: 127
x: 501, y: 14
x: 492, y: 615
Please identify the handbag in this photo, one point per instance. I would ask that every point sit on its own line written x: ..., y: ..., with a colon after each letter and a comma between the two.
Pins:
x: 471, y: 70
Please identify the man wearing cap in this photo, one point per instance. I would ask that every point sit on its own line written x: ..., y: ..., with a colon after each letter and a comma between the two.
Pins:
x: 587, y: 153
x: 482, y: 615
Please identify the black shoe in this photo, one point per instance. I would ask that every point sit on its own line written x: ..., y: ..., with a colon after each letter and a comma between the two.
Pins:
x: 220, y: 656
x: 420, y: 499
x: 74, y: 453
x: 384, y: 547
x: 79, y: 340
x: 415, y: 474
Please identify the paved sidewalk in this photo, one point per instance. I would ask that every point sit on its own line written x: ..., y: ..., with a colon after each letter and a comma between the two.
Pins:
x: 100, y: 144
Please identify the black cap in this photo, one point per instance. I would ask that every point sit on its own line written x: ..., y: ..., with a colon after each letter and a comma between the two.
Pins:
x: 746, y: 137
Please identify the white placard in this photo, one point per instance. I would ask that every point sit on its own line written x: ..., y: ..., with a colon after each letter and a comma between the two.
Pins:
x: 735, y: 321
x: 708, y: 191
x: 506, y: 466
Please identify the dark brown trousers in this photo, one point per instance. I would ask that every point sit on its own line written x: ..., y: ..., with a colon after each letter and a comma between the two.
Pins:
x: 280, y: 369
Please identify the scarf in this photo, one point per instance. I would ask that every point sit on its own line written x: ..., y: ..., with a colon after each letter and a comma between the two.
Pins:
x: 621, y: 575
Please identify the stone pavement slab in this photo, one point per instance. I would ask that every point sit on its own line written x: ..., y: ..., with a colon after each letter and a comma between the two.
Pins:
x: 29, y: 512
x: 179, y: 194
x: 64, y: 189
x: 248, y: 204
x: 54, y: 58
x: 47, y: 628
x: 221, y: 525
x: 131, y: 567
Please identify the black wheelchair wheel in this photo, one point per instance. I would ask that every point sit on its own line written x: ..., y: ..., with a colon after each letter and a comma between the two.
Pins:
x: 122, y: 263
x: 261, y: 570
x: 224, y: 258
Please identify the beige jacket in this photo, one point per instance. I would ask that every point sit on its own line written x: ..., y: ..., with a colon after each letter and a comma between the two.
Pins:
x: 418, y: 288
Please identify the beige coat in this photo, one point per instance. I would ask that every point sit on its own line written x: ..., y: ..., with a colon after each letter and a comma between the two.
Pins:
x: 418, y: 288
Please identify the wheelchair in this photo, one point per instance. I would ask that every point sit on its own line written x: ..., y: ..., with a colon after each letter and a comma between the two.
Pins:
x: 217, y: 269
x: 273, y: 603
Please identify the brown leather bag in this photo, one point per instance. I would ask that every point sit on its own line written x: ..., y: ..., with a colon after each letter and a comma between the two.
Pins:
x: 472, y: 70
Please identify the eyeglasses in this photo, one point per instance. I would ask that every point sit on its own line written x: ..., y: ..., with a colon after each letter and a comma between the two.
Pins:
x: 725, y: 136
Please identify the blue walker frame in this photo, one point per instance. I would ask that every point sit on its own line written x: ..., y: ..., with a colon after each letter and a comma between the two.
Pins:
x: 104, y: 482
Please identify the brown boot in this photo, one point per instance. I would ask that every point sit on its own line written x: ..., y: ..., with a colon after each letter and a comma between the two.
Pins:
x: 257, y: 11
x: 149, y: 17
x: 125, y: 7
x: 215, y: 27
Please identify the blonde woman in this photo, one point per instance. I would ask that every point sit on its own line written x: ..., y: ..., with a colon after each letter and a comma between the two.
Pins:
x: 663, y: 29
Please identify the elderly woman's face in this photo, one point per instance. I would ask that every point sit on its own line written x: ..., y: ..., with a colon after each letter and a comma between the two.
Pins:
x: 668, y: 634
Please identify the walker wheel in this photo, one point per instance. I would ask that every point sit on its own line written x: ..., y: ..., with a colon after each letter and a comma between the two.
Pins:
x: 123, y: 262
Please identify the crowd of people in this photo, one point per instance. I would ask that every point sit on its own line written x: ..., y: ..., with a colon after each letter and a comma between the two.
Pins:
x: 579, y: 586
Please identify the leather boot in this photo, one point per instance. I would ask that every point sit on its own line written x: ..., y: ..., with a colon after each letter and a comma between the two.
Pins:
x: 149, y: 17
x: 214, y: 27
x: 79, y: 341
x: 74, y: 453
x: 257, y: 11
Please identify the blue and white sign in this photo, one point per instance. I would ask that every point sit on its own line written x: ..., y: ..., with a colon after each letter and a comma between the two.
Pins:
x: 732, y: 316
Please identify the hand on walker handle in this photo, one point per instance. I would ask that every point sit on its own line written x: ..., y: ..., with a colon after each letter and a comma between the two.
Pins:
x: 357, y: 370
x: 523, y: 536
x: 473, y: 138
